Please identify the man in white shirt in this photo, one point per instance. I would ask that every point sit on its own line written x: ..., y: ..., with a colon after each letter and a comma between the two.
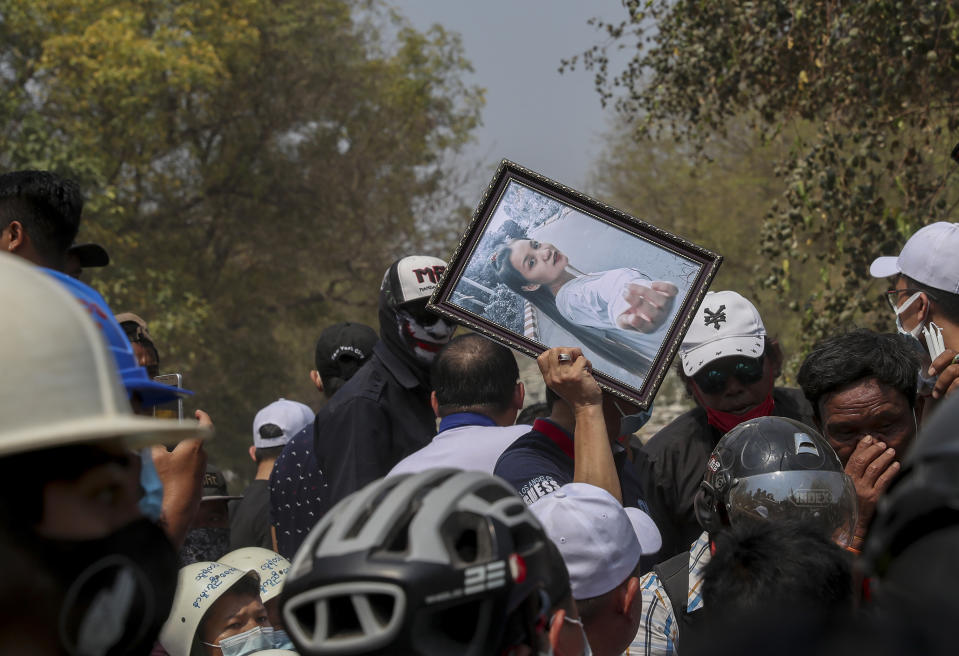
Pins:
x: 476, y: 394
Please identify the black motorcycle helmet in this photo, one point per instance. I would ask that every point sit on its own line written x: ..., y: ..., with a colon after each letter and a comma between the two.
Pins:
x: 776, y: 468
x: 440, y: 562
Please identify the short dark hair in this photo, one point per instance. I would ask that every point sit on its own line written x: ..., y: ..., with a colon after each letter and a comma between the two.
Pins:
x: 761, y: 565
x: 860, y: 354
x: 947, y: 303
x: 265, y: 453
x: 47, y: 205
x: 471, y: 373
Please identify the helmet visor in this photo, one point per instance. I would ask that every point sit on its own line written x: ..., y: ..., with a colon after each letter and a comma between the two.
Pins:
x: 823, y: 499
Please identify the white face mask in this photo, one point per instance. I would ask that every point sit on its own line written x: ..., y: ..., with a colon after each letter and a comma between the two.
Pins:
x: 259, y: 638
x: 902, y: 308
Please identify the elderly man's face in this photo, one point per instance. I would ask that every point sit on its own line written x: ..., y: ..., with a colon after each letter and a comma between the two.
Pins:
x: 867, y: 407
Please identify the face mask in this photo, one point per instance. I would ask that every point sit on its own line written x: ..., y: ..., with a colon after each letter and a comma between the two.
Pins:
x: 902, y: 308
x: 726, y: 421
x: 118, y: 589
x: 259, y: 638
x: 205, y: 544
x: 424, y: 339
x: 281, y: 640
x: 151, y: 503
x: 629, y: 424
x: 587, y: 650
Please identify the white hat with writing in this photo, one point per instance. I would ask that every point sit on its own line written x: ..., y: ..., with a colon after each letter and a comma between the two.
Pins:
x: 198, y: 587
x: 271, y: 567
x: 600, y: 541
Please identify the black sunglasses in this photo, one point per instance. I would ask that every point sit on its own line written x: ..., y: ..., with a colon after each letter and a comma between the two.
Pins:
x: 712, y: 379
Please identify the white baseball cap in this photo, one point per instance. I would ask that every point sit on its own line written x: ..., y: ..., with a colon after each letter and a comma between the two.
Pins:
x: 412, y: 278
x: 929, y: 257
x: 271, y: 566
x: 600, y: 541
x: 277, y: 423
x: 726, y: 324
x: 60, y: 383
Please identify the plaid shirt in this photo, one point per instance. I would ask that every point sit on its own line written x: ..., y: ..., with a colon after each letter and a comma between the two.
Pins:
x: 658, y: 632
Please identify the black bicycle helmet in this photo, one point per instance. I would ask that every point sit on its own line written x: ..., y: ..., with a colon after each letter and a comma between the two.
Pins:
x: 772, y: 468
x: 440, y: 562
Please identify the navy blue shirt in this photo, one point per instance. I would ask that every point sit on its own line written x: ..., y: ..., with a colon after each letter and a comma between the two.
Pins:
x: 297, y: 490
x: 541, y: 462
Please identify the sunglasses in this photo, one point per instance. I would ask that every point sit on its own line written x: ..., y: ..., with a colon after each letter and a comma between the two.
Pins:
x: 712, y: 379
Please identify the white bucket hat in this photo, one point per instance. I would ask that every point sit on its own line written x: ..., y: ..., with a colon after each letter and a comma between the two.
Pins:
x: 271, y: 567
x: 59, y: 384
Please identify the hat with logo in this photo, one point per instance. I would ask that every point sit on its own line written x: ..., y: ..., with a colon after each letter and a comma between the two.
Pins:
x: 61, y: 384
x: 342, y: 348
x: 277, y: 423
x: 929, y: 257
x: 214, y: 485
x: 412, y: 278
x: 726, y: 325
x: 600, y: 541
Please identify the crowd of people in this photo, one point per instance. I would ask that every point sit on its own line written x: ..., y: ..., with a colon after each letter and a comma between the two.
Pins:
x: 414, y: 513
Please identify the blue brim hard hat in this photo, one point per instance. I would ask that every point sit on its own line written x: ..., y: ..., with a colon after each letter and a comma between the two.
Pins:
x: 135, y: 378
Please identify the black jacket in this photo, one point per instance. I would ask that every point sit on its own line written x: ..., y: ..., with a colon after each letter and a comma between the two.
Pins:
x: 380, y: 416
x: 672, y: 463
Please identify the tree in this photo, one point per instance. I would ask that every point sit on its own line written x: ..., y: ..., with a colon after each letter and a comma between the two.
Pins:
x: 874, y: 80
x: 253, y: 166
x: 719, y: 204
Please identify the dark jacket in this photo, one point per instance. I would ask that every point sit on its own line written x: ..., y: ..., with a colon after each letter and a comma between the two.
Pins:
x: 672, y: 463
x: 380, y: 416
x: 541, y: 462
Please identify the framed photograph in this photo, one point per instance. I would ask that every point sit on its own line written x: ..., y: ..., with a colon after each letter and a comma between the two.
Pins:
x: 542, y: 265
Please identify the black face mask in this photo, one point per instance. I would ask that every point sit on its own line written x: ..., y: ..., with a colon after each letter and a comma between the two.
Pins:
x: 204, y: 544
x: 117, y: 591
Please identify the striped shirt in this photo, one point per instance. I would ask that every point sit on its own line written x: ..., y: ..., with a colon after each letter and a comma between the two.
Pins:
x: 658, y: 632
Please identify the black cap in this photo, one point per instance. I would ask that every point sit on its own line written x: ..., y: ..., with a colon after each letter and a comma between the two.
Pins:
x: 90, y: 255
x: 342, y: 348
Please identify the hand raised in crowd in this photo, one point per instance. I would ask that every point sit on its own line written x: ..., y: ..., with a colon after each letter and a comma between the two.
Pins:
x: 571, y: 378
x: 567, y: 372
x: 947, y: 370
x: 648, y: 306
x: 872, y: 467
x: 181, y: 472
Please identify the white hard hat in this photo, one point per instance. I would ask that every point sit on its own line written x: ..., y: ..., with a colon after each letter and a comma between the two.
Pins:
x: 198, y: 586
x: 60, y: 383
x: 270, y: 565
